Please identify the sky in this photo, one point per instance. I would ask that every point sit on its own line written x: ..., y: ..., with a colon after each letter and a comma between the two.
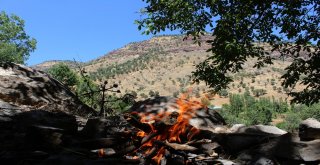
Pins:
x: 77, y: 29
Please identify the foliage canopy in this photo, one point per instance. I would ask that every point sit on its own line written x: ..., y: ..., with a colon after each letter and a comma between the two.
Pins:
x: 64, y: 74
x: 15, y: 44
x: 291, y: 28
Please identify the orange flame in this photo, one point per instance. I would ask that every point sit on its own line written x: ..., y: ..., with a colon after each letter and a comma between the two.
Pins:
x: 101, y: 153
x: 179, y: 132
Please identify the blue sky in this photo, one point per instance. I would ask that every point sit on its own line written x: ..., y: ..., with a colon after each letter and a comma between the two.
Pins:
x: 79, y: 29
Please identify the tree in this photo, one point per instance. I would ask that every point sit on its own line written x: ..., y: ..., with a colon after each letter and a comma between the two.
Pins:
x: 237, y: 25
x: 151, y: 93
x: 64, y: 74
x: 15, y: 44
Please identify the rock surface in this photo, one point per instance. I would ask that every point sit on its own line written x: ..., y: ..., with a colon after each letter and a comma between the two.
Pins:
x: 36, y: 110
x: 309, y: 129
x: 257, y: 129
x: 25, y: 89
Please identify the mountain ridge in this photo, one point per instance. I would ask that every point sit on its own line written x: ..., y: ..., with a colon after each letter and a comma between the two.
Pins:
x: 164, y: 64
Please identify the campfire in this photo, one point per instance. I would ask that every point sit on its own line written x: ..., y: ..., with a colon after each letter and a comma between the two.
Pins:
x: 167, y: 133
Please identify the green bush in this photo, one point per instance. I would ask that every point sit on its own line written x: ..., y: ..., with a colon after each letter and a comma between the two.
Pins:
x: 84, y: 88
x: 64, y: 74
x: 305, y: 112
x: 250, y: 111
x: 291, y: 123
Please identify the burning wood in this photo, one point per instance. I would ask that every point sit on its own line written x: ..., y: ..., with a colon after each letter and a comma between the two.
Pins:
x: 167, y: 129
x: 136, y: 123
x: 177, y: 146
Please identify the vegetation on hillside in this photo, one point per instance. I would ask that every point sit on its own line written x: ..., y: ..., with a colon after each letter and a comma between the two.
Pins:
x: 136, y: 64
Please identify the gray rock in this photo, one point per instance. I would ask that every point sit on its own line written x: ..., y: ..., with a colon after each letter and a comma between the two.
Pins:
x: 257, y: 129
x: 309, y: 129
x: 23, y: 88
x: 288, y: 148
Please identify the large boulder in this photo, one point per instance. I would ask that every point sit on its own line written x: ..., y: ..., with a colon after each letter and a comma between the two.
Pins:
x: 309, y: 129
x: 286, y: 148
x: 35, y: 109
x: 25, y: 89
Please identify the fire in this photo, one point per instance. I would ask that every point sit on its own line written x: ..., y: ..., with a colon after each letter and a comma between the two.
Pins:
x: 172, y: 127
x: 101, y: 153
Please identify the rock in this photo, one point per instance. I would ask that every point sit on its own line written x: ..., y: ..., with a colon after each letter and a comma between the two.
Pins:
x: 236, y: 142
x: 100, y: 128
x: 257, y: 129
x: 286, y: 148
x: 58, y: 120
x: 94, y: 128
x: 24, y: 89
x: 309, y: 129
x: 240, y: 137
x: 37, y: 126
x: 97, y: 143
x: 44, y: 137
x: 226, y: 162
x: 262, y: 160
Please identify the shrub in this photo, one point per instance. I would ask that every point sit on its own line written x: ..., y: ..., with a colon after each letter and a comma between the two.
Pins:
x: 64, y: 74
x: 143, y: 95
x: 248, y: 110
x: 223, y: 93
x: 259, y: 92
x: 253, y: 80
x: 305, y: 112
x: 291, y: 122
x: 83, y: 89
x: 151, y: 93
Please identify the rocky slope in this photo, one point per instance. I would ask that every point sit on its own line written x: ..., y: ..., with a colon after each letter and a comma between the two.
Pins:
x: 48, y: 64
x: 26, y: 89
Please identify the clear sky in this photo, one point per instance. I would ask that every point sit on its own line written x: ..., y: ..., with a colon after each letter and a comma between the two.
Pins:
x: 79, y: 29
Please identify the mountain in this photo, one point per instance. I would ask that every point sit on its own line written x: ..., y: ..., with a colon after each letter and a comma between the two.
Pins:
x: 48, y: 64
x: 164, y: 64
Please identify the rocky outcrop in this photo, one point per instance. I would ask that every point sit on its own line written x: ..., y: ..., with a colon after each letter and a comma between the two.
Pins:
x: 309, y: 129
x: 36, y: 111
x: 25, y: 89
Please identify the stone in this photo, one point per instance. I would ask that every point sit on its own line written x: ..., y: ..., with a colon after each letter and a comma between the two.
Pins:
x: 309, y: 129
x: 257, y: 129
x: 240, y: 137
x: 287, y: 148
x: 44, y: 137
x: 24, y: 89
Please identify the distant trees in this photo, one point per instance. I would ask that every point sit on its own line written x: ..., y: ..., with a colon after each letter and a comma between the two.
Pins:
x: 153, y: 93
x: 15, y: 44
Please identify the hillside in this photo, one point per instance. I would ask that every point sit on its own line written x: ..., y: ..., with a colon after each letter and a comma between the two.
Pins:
x: 164, y: 64
x: 48, y: 64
